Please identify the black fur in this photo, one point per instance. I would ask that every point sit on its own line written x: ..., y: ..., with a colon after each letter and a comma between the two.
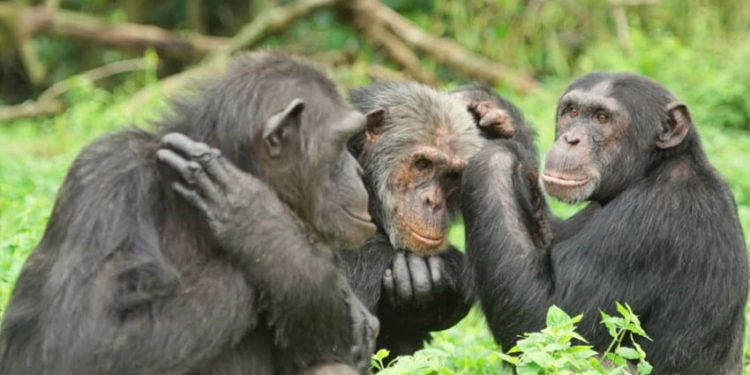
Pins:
x: 664, y: 238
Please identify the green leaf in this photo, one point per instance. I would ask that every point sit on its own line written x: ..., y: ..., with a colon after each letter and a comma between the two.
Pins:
x: 627, y: 353
x: 514, y: 349
x: 541, y: 358
x: 626, y: 312
x: 556, y: 316
x: 381, y: 354
x: 529, y: 368
x: 636, y: 328
x: 508, y: 358
x: 644, y: 368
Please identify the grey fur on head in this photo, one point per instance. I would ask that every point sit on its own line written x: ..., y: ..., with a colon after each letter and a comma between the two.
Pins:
x: 414, y: 114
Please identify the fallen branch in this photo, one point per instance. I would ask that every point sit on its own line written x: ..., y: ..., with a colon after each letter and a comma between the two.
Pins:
x: 49, y: 102
x: 393, y: 47
x: 29, y: 21
x: 272, y: 20
x: 443, y: 50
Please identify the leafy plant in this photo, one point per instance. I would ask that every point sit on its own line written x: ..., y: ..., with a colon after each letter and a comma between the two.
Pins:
x: 553, y: 350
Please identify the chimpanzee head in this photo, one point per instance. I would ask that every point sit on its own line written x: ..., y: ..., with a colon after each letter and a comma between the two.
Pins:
x: 414, y: 148
x: 283, y: 120
x: 611, y: 129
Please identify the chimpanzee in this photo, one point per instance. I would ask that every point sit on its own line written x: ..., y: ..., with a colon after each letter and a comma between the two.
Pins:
x: 661, y: 232
x: 413, y: 151
x: 130, y: 279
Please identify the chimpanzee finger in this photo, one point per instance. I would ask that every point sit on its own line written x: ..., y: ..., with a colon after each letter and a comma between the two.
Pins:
x: 420, y: 278
x: 184, y: 145
x: 436, y: 271
x: 191, y: 196
x: 210, y: 158
x: 389, y: 287
x: 401, y: 279
x: 499, y: 121
x: 191, y: 172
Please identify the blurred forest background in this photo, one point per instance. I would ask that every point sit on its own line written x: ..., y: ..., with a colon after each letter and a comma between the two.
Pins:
x: 72, y: 70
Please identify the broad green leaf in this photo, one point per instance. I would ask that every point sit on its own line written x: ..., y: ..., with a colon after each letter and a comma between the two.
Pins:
x: 556, y: 316
x: 627, y: 353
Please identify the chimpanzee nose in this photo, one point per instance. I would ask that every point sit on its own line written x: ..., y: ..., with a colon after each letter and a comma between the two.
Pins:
x: 432, y: 199
x: 571, y: 139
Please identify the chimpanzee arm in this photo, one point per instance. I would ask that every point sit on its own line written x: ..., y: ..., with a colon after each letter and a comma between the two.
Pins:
x: 98, y: 296
x: 169, y: 335
x: 507, y: 239
x: 366, y: 266
x: 297, y: 277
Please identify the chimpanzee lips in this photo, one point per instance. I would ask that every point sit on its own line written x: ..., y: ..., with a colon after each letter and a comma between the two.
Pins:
x: 427, y: 240
x: 364, y: 218
x: 563, y: 180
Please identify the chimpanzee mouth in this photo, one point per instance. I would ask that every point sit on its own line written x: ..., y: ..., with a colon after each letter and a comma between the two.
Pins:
x: 363, y: 219
x: 426, y: 240
x: 562, y: 180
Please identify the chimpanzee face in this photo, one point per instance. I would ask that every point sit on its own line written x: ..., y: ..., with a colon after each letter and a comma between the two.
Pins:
x: 421, y: 184
x: 312, y: 171
x: 611, y: 128
x: 339, y: 199
x: 590, y: 127
x: 416, y: 167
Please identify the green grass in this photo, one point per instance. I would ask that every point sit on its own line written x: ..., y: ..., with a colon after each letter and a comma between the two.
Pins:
x: 34, y: 157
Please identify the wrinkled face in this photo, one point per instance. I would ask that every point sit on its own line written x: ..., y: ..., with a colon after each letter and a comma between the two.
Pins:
x: 307, y: 164
x: 589, y: 138
x: 421, y: 186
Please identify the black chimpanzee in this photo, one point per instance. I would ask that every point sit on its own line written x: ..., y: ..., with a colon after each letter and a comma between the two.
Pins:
x: 130, y: 279
x: 661, y: 232
x: 413, y: 151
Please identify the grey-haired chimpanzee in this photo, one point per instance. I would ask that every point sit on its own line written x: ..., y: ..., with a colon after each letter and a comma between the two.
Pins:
x: 661, y: 232
x: 130, y: 279
x: 413, y: 152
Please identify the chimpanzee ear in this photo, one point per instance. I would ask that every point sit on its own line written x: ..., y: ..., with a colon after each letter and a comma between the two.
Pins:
x: 676, y: 127
x: 277, y: 128
x: 375, y: 124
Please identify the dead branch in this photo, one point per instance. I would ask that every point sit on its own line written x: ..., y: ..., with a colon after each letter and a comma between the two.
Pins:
x: 75, y: 25
x: 43, y: 20
x: 271, y: 21
x: 49, y: 102
x: 393, y: 47
x: 443, y: 50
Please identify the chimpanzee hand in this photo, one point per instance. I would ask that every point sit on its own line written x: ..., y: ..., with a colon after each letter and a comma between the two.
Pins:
x: 420, y: 293
x: 490, y: 118
x: 413, y: 281
x: 210, y: 183
x: 365, y: 328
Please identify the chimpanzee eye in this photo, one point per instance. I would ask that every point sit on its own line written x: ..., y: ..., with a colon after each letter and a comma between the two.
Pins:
x: 452, y: 183
x: 573, y: 112
x: 423, y: 164
x: 602, y: 117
